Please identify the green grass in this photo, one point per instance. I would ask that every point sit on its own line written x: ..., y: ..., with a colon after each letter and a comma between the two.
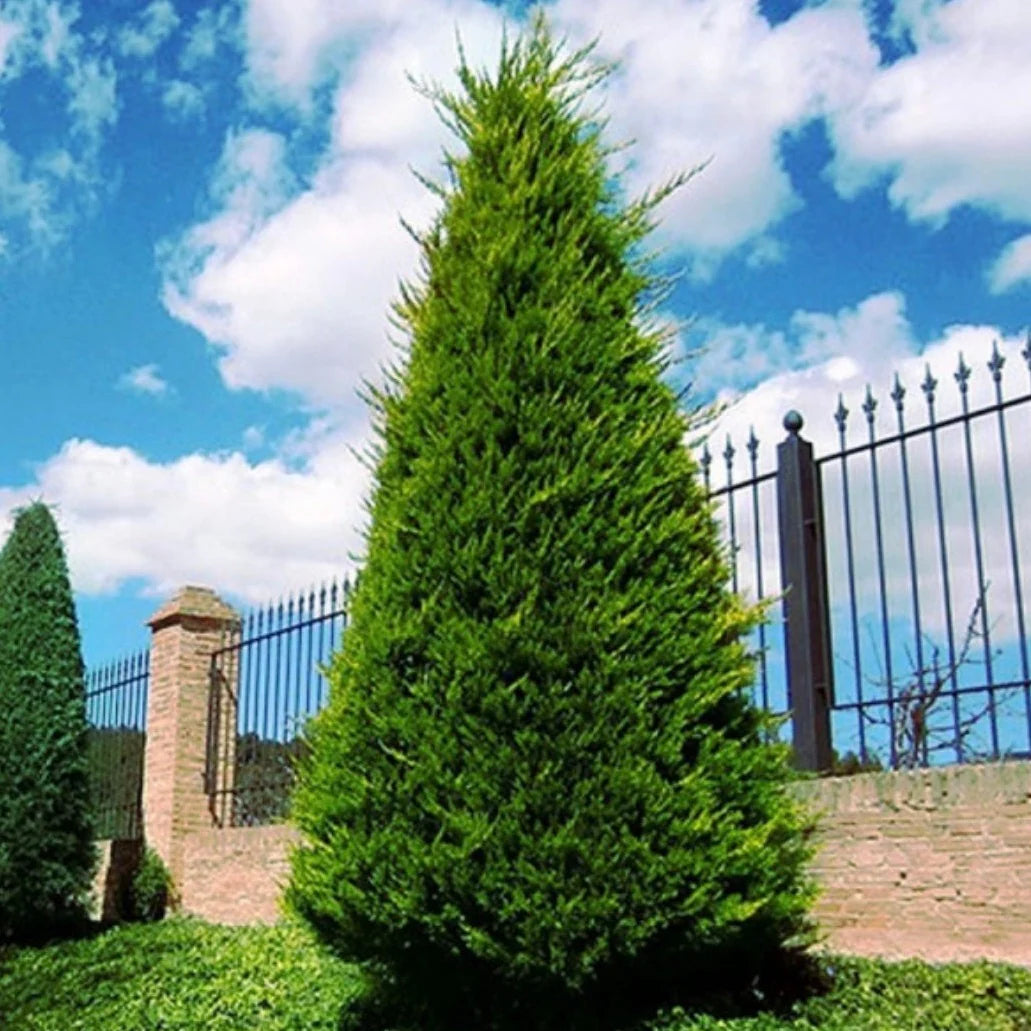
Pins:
x: 185, y: 974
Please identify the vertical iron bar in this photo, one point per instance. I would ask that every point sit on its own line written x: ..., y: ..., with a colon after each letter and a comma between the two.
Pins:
x: 288, y: 686
x: 840, y: 417
x: 897, y: 394
x: 928, y: 387
x: 753, y: 453
x: 995, y: 366
x: 211, y: 740
x: 962, y: 376
x: 869, y: 407
x: 728, y: 457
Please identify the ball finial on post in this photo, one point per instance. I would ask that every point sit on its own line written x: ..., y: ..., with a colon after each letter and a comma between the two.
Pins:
x: 793, y: 421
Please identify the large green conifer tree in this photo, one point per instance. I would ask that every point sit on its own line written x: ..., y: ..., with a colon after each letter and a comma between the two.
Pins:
x: 539, y: 780
x: 47, y: 855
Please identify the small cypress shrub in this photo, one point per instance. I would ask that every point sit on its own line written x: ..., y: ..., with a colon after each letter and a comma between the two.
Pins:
x: 540, y: 787
x: 47, y: 855
x: 151, y: 888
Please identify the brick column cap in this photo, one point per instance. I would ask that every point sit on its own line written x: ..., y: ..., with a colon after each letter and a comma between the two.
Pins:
x: 193, y: 603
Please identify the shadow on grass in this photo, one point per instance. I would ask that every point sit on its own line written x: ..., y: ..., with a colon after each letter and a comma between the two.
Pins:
x: 632, y: 1003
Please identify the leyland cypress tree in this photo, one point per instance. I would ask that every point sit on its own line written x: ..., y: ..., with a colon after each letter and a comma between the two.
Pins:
x: 539, y: 781
x: 47, y: 855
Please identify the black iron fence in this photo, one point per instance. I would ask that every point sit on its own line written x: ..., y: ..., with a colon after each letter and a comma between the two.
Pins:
x: 266, y: 680
x: 895, y: 566
x: 892, y: 568
x: 116, y: 712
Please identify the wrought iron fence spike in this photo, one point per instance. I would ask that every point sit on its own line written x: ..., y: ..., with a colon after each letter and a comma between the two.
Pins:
x: 753, y: 442
x: 962, y: 374
x: 928, y: 384
x: 869, y: 404
x: 898, y: 392
x: 729, y: 452
x: 841, y: 414
x: 996, y: 362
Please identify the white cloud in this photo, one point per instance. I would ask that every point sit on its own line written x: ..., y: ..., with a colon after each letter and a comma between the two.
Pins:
x: 740, y: 357
x: 27, y: 198
x: 253, y: 438
x: 212, y: 28
x: 766, y: 250
x: 92, y: 100
x: 294, y: 286
x: 245, y: 529
x: 290, y: 45
x: 948, y: 124
x: 183, y: 100
x: 151, y: 27
x: 57, y: 34
x: 8, y: 33
x: 712, y: 78
x: 301, y: 302
x: 42, y: 191
x: 144, y: 379
x: 1013, y: 266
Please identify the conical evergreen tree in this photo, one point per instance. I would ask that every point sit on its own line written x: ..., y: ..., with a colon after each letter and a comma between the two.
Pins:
x: 539, y: 780
x: 47, y: 855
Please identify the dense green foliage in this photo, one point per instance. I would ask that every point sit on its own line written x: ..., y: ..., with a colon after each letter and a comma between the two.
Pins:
x: 177, y: 975
x: 47, y: 855
x: 539, y: 776
x: 151, y: 887
x: 184, y: 975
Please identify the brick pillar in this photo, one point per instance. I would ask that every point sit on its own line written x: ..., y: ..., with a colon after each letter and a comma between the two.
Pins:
x: 184, y: 633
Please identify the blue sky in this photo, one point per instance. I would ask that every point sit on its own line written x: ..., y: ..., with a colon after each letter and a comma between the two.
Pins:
x: 199, y: 242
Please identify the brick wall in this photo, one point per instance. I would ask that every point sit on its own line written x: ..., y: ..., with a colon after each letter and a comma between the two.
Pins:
x: 933, y: 864
x: 930, y: 863
x: 236, y: 875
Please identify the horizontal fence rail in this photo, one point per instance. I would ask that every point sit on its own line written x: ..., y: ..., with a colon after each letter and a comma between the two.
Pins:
x: 116, y: 714
x: 914, y: 594
x: 265, y: 681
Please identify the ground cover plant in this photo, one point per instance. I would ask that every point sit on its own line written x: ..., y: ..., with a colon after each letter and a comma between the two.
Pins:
x: 540, y: 795
x: 47, y: 854
x: 186, y: 975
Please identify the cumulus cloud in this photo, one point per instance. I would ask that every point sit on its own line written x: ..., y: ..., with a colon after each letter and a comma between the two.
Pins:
x: 1012, y: 267
x: 150, y: 28
x: 712, y: 78
x: 740, y: 357
x: 144, y: 379
x: 293, y: 283
x: 947, y: 124
x: 246, y: 529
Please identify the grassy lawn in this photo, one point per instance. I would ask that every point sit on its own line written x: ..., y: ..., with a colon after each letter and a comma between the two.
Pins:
x: 183, y: 974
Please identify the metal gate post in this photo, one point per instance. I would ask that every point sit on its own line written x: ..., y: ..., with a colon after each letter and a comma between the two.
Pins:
x: 807, y: 640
